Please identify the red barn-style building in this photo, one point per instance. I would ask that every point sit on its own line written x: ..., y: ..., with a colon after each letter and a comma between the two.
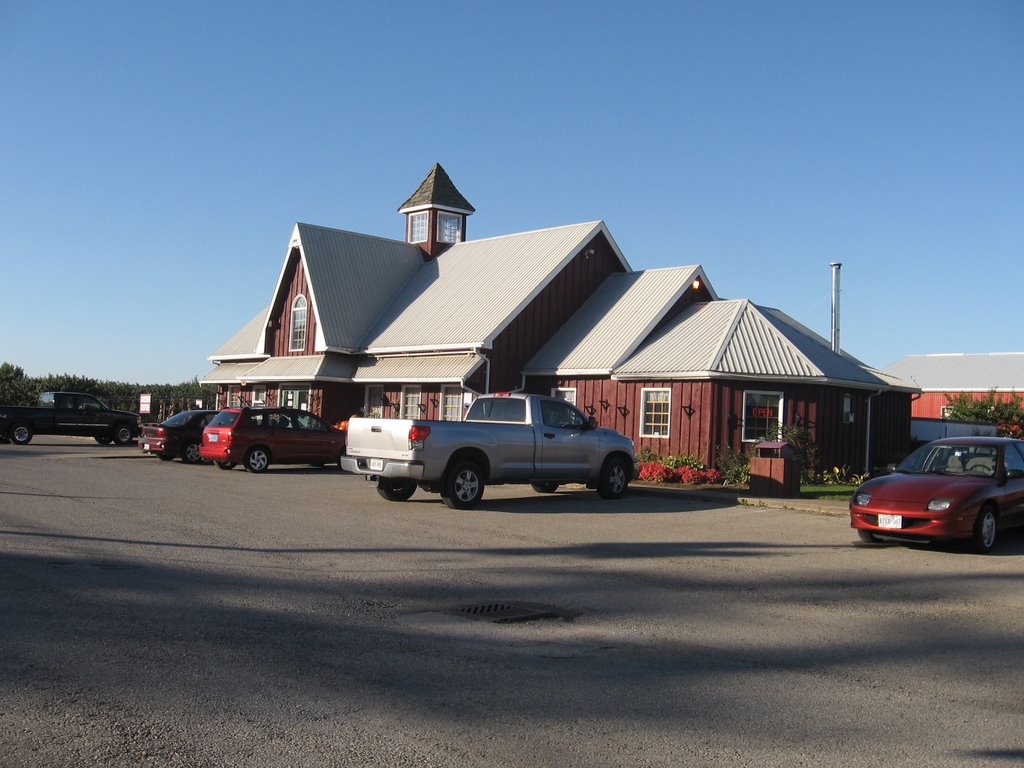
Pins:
x: 940, y: 377
x: 417, y: 328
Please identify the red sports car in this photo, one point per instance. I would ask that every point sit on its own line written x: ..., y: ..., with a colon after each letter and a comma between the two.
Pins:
x: 957, y: 488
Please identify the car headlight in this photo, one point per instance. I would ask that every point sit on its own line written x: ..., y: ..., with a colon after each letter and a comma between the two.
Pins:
x: 939, y: 505
x: 862, y: 499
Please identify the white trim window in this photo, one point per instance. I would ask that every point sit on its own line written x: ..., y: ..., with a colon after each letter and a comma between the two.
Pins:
x: 259, y: 395
x: 568, y: 394
x: 411, y: 402
x: 294, y: 397
x: 234, y: 397
x: 449, y: 228
x: 655, y: 407
x: 451, y: 403
x: 373, y: 403
x: 419, y: 223
x: 762, y: 416
x: 297, y: 336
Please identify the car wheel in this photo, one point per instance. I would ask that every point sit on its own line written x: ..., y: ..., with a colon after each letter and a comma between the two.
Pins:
x: 986, y: 528
x: 102, y: 439
x: 463, y: 485
x: 544, y: 487
x: 614, y: 478
x: 396, y: 490
x: 257, y: 459
x: 165, y: 457
x: 190, y: 453
x: 123, y: 434
x: 225, y: 465
x: 20, y: 434
x: 867, y: 536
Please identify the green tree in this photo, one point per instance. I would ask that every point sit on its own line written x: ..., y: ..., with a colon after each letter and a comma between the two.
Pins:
x: 1007, y: 412
x: 15, y: 387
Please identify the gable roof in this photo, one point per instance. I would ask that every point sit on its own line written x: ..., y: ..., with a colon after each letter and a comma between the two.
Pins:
x: 740, y: 340
x: 470, y: 293
x: 245, y: 342
x: 350, y: 277
x: 437, y: 190
x: 1001, y: 371
x: 614, y: 321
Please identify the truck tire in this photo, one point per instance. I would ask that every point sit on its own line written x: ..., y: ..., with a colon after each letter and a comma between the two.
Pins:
x: 122, y: 434
x: 20, y: 434
x: 463, y: 485
x: 102, y: 439
x: 614, y: 478
x: 396, y: 490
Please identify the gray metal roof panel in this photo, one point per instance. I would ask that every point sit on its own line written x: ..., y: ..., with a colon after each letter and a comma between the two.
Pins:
x: 302, y: 368
x: 228, y: 373
x: 469, y: 294
x: 245, y: 342
x: 616, y: 318
x: 962, y: 372
x: 423, y: 368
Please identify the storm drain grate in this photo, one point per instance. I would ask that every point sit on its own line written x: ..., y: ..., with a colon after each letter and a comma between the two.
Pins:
x: 506, y: 613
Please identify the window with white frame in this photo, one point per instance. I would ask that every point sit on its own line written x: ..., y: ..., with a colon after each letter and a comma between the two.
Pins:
x: 234, y: 397
x: 655, y: 406
x: 298, y: 329
x: 259, y: 395
x: 565, y: 393
x: 418, y: 225
x: 294, y: 397
x: 373, y: 404
x: 449, y: 228
x: 410, y: 402
x: 451, y: 403
x: 762, y: 416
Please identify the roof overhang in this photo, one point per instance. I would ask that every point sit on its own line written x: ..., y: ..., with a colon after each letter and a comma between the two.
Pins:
x: 419, y: 369
x: 228, y: 373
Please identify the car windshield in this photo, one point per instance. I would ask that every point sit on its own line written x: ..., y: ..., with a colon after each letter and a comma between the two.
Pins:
x: 952, y: 459
x: 178, y: 419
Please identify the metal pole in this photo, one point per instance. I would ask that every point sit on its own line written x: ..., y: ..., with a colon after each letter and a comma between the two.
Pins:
x: 836, y: 266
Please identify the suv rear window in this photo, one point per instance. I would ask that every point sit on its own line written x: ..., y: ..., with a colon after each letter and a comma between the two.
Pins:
x: 224, y: 419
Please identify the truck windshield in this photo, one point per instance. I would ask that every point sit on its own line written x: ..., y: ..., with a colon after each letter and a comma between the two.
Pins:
x: 498, y: 409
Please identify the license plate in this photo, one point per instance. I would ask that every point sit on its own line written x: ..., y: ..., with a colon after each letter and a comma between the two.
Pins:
x: 376, y: 465
x: 213, y: 438
x: 145, y: 446
x: 890, y: 521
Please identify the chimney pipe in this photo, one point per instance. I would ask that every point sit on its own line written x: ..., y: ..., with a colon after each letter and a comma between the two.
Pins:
x: 836, y: 266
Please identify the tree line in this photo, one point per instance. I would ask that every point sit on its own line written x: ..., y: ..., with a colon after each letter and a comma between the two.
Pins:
x: 18, y: 389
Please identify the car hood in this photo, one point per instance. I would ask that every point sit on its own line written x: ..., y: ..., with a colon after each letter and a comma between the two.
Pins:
x: 903, y: 487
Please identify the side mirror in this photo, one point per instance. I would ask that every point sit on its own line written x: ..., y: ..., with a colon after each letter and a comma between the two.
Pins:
x: 1014, y: 474
x: 592, y: 423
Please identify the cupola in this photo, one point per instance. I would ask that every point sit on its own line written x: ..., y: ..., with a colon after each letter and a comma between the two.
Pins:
x: 435, y: 214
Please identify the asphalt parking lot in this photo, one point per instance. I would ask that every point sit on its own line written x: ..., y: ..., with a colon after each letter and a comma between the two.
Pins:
x: 161, y: 614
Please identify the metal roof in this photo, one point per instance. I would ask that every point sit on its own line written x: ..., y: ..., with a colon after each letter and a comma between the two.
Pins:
x: 302, y: 368
x: 466, y: 296
x: 351, y: 276
x: 245, y: 342
x: 228, y: 373
x: 614, y: 321
x: 421, y: 368
x: 738, y: 339
x: 1001, y: 371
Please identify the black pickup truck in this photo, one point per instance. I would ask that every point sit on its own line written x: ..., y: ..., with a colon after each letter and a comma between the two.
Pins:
x: 67, y: 413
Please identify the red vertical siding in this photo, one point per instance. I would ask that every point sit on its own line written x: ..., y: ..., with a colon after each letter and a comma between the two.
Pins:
x: 279, y: 329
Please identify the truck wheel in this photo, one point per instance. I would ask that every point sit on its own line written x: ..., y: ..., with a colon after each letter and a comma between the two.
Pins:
x: 122, y: 434
x: 463, y: 486
x: 190, y: 453
x: 396, y: 490
x: 102, y: 439
x: 544, y: 487
x: 614, y: 478
x: 257, y: 459
x: 20, y: 434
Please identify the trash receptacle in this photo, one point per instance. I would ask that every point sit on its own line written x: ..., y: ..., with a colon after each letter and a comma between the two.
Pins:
x: 775, y: 470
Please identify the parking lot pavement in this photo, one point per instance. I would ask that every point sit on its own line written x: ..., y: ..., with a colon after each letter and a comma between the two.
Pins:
x: 155, y: 613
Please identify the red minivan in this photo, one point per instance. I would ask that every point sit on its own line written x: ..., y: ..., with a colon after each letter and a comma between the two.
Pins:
x: 259, y: 437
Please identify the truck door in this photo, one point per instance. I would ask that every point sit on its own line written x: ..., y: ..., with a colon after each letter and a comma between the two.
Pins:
x: 93, y: 418
x: 564, y: 447
x: 66, y: 417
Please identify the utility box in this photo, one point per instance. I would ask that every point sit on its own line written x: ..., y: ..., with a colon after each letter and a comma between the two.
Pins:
x: 775, y: 470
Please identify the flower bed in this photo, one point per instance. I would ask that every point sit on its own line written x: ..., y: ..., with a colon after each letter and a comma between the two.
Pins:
x: 656, y: 472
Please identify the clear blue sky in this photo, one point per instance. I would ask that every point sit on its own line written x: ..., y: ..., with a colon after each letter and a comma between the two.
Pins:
x: 154, y: 156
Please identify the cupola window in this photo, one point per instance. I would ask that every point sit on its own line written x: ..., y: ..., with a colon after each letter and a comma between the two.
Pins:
x: 449, y: 228
x: 418, y: 225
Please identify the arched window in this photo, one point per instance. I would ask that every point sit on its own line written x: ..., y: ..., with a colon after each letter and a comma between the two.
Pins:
x: 298, y: 335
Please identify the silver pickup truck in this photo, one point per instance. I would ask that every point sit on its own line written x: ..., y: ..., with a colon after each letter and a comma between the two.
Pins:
x: 511, y: 438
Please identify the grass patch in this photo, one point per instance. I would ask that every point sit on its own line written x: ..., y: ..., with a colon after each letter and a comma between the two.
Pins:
x: 834, y: 492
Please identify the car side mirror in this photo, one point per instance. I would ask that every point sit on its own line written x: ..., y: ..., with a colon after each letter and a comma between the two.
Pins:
x: 592, y: 423
x: 1014, y: 474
